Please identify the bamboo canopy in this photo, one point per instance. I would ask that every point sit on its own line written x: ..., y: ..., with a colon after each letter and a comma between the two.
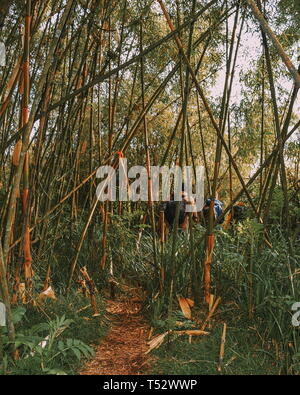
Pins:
x: 88, y: 82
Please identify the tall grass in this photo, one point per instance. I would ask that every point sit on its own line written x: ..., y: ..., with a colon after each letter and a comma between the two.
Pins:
x: 263, y: 284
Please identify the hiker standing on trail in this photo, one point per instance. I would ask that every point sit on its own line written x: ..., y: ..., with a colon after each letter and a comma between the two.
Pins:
x: 170, y: 210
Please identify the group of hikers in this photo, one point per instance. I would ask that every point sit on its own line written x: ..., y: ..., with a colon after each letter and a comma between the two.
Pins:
x: 236, y: 214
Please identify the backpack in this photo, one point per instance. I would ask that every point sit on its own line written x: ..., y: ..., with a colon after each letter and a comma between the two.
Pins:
x: 217, y: 209
x: 170, y: 211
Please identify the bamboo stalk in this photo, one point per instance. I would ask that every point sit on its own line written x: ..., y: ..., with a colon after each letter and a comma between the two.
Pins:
x: 162, y: 242
x: 222, y: 348
x: 210, y: 314
x: 269, y: 32
x: 4, y: 291
x: 92, y: 289
x: 148, y: 162
x: 25, y: 139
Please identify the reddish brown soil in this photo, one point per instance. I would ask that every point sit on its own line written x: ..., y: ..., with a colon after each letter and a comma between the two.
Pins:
x: 122, y: 352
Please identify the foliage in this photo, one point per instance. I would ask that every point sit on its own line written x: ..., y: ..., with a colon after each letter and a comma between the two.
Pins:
x: 267, y: 333
x: 76, y: 93
x: 56, y: 345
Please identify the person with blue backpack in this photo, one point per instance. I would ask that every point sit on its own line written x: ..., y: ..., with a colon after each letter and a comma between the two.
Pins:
x: 217, y: 211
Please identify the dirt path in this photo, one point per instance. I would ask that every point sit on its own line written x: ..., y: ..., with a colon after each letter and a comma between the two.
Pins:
x: 123, y: 350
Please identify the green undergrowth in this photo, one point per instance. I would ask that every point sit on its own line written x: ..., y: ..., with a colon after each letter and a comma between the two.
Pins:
x: 66, y: 325
x: 258, y: 286
x: 245, y: 353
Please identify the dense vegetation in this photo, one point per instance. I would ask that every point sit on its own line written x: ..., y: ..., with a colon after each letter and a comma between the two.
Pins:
x: 183, y: 82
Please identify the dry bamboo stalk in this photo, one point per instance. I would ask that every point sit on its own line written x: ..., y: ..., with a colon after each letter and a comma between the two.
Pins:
x: 162, y: 227
x: 25, y: 99
x: 162, y: 241
x: 210, y: 314
x: 150, y: 332
x: 222, y: 347
x: 16, y: 153
x: 83, y: 288
x: 233, y: 358
x: 207, y: 264
x: 191, y: 332
x: 104, y: 237
x: 15, y: 76
x: 211, y: 303
x: 91, y: 286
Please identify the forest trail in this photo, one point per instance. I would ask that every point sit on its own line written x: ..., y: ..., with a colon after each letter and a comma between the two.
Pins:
x: 122, y: 352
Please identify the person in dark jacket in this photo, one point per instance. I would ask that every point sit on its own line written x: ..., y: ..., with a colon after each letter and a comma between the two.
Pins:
x: 236, y: 215
x: 170, y: 210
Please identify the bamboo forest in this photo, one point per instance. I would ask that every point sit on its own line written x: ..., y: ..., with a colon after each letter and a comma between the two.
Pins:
x: 149, y: 187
